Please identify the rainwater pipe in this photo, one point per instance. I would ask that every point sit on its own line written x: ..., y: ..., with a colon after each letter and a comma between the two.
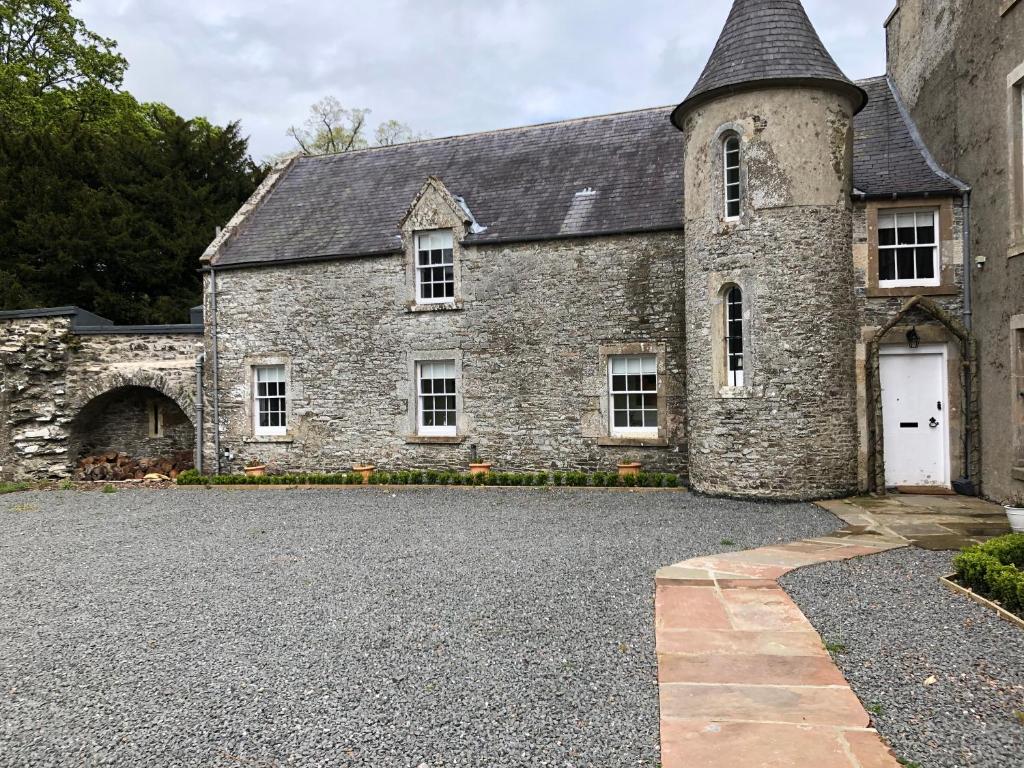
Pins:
x: 216, y: 368
x: 200, y: 363
x: 968, y: 321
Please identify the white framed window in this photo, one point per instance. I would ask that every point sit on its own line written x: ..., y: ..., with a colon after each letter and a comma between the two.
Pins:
x: 270, y: 411
x: 908, y: 249
x: 731, y: 176
x: 633, y: 392
x: 435, y: 267
x: 734, y: 337
x: 437, y: 407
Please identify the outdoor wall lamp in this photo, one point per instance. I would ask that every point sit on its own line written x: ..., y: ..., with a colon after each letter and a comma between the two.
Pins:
x: 913, y: 338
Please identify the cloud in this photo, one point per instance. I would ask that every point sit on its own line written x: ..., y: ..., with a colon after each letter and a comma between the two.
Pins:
x: 443, y: 66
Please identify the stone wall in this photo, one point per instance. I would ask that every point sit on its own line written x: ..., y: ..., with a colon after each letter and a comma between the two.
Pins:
x: 955, y: 62
x: 33, y: 396
x: 50, y: 373
x: 529, y: 332
x: 790, y: 431
x: 122, y: 421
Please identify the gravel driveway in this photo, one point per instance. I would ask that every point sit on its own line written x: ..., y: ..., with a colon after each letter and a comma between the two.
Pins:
x: 366, y: 627
x: 901, y: 629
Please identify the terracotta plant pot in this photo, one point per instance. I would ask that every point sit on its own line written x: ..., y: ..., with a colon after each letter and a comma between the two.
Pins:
x: 257, y: 471
x: 365, y: 470
x: 630, y: 469
x: 480, y: 469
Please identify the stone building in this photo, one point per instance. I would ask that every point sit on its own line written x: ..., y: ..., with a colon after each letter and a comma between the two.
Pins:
x: 762, y: 289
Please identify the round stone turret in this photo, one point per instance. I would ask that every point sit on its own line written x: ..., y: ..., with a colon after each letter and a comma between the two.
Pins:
x: 771, y: 324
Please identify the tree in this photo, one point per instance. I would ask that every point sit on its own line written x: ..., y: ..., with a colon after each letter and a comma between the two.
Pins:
x: 104, y: 202
x: 331, y: 128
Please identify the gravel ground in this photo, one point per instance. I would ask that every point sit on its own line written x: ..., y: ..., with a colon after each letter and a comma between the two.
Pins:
x: 367, y: 627
x: 901, y: 628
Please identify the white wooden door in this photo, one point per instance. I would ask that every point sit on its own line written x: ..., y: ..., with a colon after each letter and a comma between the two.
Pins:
x: 915, y: 416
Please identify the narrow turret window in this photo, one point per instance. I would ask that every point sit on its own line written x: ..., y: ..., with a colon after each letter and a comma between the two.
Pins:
x: 734, y: 337
x: 731, y: 175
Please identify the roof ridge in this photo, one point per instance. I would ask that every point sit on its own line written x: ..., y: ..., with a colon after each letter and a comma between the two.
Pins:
x: 491, y: 132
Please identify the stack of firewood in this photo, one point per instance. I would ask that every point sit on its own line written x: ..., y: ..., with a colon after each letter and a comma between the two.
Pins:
x: 114, y: 465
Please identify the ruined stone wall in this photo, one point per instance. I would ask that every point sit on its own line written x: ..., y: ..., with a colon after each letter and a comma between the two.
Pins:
x: 956, y: 62
x: 50, y: 373
x: 529, y: 335
x: 790, y: 431
x: 33, y: 396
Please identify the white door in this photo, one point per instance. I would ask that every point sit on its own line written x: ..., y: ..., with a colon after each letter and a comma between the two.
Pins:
x: 915, y: 415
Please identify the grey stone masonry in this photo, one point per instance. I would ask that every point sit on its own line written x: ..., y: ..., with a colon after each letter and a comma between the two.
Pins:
x: 790, y: 430
x: 530, y: 330
x: 51, y: 372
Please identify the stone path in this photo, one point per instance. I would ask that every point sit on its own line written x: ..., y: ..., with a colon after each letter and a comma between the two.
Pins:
x: 930, y: 522
x: 745, y: 681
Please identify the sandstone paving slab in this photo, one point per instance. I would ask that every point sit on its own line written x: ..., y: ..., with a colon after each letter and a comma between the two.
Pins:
x: 731, y: 642
x: 763, y: 610
x: 869, y: 750
x: 707, y: 744
x: 808, y: 705
x: 762, y: 669
x: 697, y: 607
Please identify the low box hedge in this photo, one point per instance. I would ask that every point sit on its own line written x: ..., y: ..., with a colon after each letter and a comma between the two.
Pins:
x: 994, y: 570
x: 444, y: 477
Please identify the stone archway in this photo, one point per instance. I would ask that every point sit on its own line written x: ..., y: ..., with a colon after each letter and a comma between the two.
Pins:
x: 130, y: 431
x: 969, y: 374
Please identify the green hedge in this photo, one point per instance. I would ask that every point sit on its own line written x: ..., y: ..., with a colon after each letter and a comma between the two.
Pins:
x: 445, y: 477
x: 993, y: 569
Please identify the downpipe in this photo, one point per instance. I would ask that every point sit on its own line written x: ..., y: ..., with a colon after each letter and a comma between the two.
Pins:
x: 966, y: 484
x: 200, y: 364
x: 214, y: 361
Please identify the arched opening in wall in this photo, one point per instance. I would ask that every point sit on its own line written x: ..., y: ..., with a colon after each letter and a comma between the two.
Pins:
x: 731, y: 181
x: 128, y: 433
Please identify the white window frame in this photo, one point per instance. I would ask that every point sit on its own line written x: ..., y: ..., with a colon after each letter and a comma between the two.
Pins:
x: 257, y: 398
x: 734, y: 377
x: 648, y: 365
x: 732, y: 191
x: 446, y: 241
x: 451, y: 373
x: 895, y: 215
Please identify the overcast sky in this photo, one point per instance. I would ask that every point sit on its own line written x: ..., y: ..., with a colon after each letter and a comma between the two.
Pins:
x: 442, y: 66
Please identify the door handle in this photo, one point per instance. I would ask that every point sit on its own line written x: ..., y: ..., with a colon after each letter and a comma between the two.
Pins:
x: 933, y: 423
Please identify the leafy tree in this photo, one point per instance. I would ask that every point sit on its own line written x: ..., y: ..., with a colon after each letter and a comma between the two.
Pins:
x: 332, y: 128
x: 104, y: 202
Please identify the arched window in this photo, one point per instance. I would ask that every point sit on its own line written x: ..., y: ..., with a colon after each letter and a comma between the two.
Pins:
x: 731, y: 175
x: 734, y: 337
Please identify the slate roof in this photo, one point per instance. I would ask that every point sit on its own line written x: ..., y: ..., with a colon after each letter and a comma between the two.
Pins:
x: 889, y: 157
x: 601, y: 175
x: 596, y: 176
x: 765, y: 41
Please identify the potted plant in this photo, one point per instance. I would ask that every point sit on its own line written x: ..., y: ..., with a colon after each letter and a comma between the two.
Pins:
x: 255, y: 468
x: 1015, y: 512
x: 364, y: 470
x: 629, y: 467
x: 480, y: 468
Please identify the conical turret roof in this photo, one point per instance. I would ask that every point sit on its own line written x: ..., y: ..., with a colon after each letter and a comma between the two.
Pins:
x: 767, y: 42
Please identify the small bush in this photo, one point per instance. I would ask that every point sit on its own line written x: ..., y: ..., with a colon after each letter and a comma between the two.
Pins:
x: 108, y: 488
x: 992, y: 569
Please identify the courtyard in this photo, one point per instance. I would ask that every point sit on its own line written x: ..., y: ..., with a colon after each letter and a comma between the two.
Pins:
x: 366, y: 627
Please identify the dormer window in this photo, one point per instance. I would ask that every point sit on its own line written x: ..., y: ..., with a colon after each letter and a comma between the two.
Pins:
x: 435, y: 267
x: 731, y: 176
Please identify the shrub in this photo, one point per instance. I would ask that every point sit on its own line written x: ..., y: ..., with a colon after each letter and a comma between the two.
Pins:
x: 557, y: 478
x: 993, y: 569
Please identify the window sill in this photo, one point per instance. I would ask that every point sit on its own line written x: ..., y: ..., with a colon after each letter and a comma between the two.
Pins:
x: 1015, y: 249
x: 633, y: 442
x: 874, y: 292
x: 284, y: 439
x: 1017, y: 473
x: 735, y: 393
x: 435, y: 439
x: 451, y: 306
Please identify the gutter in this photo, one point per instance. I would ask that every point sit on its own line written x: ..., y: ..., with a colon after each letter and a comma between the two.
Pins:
x: 200, y: 363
